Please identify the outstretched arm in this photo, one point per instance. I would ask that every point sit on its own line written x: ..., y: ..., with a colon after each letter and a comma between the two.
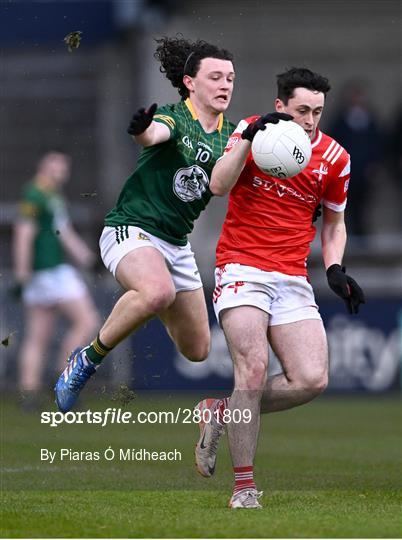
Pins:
x: 229, y: 167
x: 145, y: 131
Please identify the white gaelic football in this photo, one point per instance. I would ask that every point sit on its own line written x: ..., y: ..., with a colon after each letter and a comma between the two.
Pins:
x: 281, y: 150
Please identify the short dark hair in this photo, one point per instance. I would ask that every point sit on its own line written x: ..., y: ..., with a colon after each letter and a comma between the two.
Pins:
x: 300, y: 77
x: 179, y: 56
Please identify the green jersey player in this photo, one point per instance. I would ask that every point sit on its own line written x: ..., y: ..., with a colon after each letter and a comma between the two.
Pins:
x: 49, y: 284
x: 170, y: 187
x: 144, y: 242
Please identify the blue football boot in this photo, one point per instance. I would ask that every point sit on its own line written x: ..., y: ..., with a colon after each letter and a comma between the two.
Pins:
x: 73, y: 380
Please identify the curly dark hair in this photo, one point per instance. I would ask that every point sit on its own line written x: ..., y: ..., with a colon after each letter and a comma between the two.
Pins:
x: 300, y: 78
x: 179, y: 56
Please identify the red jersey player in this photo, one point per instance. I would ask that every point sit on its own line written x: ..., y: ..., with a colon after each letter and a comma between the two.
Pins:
x: 269, y: 220
x: 262, y: 293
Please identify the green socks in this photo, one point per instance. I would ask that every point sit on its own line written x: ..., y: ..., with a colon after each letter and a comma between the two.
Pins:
x: 97, y: 351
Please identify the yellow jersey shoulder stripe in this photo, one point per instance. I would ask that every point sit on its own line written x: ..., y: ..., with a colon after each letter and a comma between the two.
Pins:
x: 166, y: 119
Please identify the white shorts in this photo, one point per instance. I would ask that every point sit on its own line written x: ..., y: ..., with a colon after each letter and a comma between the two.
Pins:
x: 285, y: 298
x: 51, y: 286
x: 116, y: 242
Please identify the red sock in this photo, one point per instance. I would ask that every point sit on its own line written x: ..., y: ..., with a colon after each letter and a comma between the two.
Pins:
x: 221, y: 407
x: 243, y: 478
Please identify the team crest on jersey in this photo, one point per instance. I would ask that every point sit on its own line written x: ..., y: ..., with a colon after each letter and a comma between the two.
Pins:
x: 323, y: 170
x: 189, y: 183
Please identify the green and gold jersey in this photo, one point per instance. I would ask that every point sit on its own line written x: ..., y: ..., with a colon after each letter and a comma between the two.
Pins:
x: 170, y: 186
x: 47, y: 210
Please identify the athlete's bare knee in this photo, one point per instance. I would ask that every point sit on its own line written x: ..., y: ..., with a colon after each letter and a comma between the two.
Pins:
x: 314, y: 382
x: 251, y: 375
x: 157, y: 299
x: 320, y: 383
x: 197, y: 352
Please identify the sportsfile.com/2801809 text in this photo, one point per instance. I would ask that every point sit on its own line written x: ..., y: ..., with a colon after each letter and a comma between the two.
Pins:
x: 117, y: 416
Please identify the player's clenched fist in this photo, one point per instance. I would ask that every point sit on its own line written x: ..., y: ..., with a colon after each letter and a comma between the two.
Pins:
x: 345, y: 287
x: 141, y: 120
x: 259, y: 125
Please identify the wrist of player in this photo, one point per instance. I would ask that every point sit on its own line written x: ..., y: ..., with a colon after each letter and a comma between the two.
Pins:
x: 22, y: 277
x: 346, y: 287
x: 141, y: 120
x: 260, y: 124
x: 245, y: 138
x: 16, y: 289
x: 333, y: 268
x: 138, y: 128
x: 251, y: 130
x: 337, y: 281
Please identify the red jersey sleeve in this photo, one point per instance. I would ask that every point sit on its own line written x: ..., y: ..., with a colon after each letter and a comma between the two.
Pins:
x: 336, y: 189
x: 236, y: 135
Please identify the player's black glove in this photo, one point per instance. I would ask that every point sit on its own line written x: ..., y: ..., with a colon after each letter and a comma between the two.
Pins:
x: 141, y: 120
x: 345, y: 287
x: 259, y: 125
x: 317, y: 213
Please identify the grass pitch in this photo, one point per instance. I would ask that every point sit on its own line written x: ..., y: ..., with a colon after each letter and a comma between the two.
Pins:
x: 328, y: 469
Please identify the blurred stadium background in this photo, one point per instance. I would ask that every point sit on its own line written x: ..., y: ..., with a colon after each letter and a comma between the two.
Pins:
x: 81, y: 102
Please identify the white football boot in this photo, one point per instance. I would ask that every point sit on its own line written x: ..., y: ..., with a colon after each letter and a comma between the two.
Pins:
x: 246, y: 498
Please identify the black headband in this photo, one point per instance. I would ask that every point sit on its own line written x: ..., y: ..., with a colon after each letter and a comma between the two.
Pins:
x: 185, y: 65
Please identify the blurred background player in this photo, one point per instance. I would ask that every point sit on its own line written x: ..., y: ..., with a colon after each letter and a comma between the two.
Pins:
x: 144, y: 243
x: 262, y: 293
x: 43, y: 235
x: 356, y: 128
x: 394, y: 157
